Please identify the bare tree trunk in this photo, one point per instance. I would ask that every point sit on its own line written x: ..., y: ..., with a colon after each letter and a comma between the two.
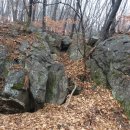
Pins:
x: 30, y: 12
x: 66, y: 15
x: 113, y: 25
x: 83, y: 35
x: 84, y: 9
x: 21, y: 16
x: 14, y: 6
x: 105, y: 29
x: 25, y: 6
x: 55, y: 10
x: 62, y: 11
x: 75, y: 18
x: 34, y: 12
x: 44, y: 15
x: 2, y: 8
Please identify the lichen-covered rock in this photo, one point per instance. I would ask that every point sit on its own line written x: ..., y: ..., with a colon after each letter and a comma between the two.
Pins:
x: 110, y: 64
x: 57, y: 83
x: 14, y: 92
x: 47, y: 79
x: 10, y: 105
x: 76, y: 51
x: 58, y: 43
x: 40, y: 60
x: 38, y: 73
x: 24, y: 46
x: 38, y: 79
x: 40, y: 51
x: 53, y: 42
x: 14, y: 82
x: 97, y: 74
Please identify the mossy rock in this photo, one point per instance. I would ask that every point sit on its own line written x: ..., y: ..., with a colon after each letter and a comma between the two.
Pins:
x: 56, y: 88
x: 18, y: 86
x: 125, y: 105
x: 42, y: 46
x: 97, y: 74
x: 50, y: 86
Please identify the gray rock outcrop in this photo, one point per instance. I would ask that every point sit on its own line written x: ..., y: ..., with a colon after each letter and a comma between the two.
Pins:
x: 56, y: 93
x: 46, y: 79
x: 110, y: 65
x: 14, y: 92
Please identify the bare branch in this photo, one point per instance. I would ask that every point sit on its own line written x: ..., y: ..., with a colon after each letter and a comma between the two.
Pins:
x: 63, y: 4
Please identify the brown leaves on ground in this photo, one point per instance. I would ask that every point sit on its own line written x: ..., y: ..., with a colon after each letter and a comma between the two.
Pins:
x: 72, y: 68
x: 88, y: 111
x: 75, y: 70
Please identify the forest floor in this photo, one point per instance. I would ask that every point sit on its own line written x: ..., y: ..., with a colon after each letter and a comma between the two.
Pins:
x: 93, y: 109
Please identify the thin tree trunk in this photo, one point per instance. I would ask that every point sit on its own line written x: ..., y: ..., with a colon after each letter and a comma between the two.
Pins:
x: 75, y: 18
x: 86, y: 2
x: 62, y: 11
x: 44, y: 15
x: 33, y: 12
x: 113, y: 25
x: 55, y: 10
x: 66, y: 15
x: 25, y: 6
x: 14, y: 6
x: 2, y: 8
x: 105, y: 29
x: 30, y: 12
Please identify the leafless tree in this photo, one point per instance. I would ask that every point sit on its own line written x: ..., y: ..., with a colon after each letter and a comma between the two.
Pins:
x: 55, y: 10
x: 106, y: 27
x: 14, y: 7
x: 44, y: 15
x: 75, y: 19
x: 30, y: 11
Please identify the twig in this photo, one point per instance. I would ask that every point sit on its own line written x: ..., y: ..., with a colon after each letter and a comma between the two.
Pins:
x: 67, y: 103
x: 63, y: 4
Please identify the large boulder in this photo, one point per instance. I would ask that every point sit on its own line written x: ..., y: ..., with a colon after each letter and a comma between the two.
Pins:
x: 15, y: 94
x: 10, y: 105
x: 110, y: 65
x: 46, y: 77
x: 38, y: 79
x: 57, y: 83
x: 58, y: 43
x: 76, y: 51
x: 39, y: 62
x: 53, y: 41
x: 32, y: 79
x: 13, y: 98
